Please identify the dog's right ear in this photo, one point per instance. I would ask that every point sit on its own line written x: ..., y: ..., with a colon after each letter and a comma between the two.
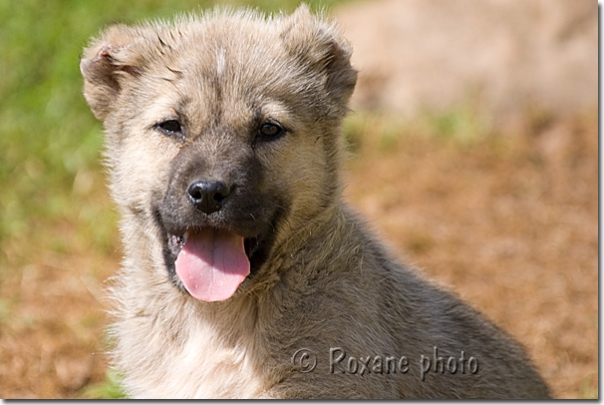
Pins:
x: 107, y: 63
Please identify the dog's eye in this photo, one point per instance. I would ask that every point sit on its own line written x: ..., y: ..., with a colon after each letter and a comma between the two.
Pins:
x: 171, y: 128
x: 270, y: 131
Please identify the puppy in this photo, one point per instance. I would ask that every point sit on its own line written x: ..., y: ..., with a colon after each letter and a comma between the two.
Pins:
x: 246, y: 275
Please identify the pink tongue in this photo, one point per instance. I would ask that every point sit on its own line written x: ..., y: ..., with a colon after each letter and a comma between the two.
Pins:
x: 212, y: 264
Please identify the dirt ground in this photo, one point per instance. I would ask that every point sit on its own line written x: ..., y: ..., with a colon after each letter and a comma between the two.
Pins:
x: 509, y: 221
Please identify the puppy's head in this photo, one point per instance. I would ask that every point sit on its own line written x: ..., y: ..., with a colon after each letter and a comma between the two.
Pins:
x: 222, y: 135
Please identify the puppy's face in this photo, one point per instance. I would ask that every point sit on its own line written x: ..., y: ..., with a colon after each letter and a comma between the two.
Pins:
x: 221, y: 135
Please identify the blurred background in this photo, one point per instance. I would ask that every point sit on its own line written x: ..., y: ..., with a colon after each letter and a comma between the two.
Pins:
x: 473, y: 147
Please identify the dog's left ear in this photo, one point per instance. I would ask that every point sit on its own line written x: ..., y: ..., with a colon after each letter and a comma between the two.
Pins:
x: 320, y: 44
x: 107, y: 64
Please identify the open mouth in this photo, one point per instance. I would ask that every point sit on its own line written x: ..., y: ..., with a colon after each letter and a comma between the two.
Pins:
x: 176, y: 243
x: 211, y: 258
x: 211, y: 263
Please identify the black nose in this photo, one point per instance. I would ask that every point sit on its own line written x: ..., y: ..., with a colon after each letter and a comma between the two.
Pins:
x: 207, y: 196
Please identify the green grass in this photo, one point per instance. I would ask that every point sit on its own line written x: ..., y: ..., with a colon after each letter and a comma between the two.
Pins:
x: 109, y: 389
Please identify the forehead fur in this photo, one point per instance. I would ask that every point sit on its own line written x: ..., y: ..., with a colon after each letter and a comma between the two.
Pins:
x: 240, y: 50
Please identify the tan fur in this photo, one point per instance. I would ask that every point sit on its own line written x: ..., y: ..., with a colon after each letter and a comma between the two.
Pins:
x: 324, y: 280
